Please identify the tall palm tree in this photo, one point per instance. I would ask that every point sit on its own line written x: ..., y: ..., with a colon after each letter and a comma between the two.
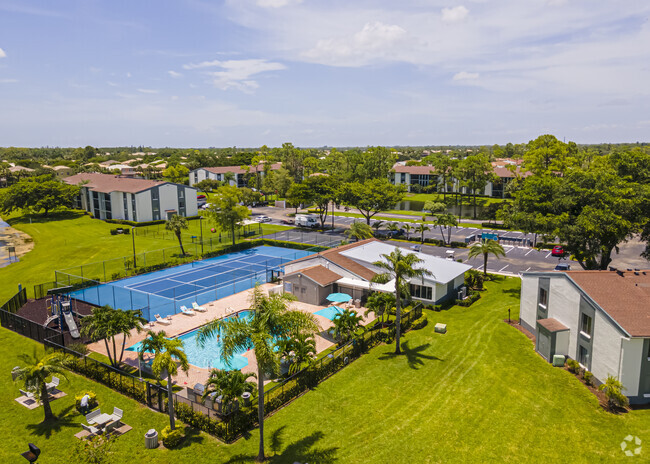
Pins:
x: 298, y: 349
x: 392, y: 227
x: 485, y: 248
x: 230, y: 385
x: 177, y: 224
x: 400, y: 268
x: 359, y: 231
x: 270, y: 319
x: 447, y: 220
x: 345, y: 324
x: 421, y: 228
x: 407, y: 228
x: 106, y: 323
x: 154, y: 343
x: 165, y: 365
x: 377, y: 225
x: 35, y: 372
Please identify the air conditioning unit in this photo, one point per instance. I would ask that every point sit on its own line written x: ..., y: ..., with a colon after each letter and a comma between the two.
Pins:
x: 462, y: 293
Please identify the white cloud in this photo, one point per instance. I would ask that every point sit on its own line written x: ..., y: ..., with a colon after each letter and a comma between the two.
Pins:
x: 8, y: 81
x: 376, y: 41
x: 2, y: 53
x: 174, y: 74
x: 464, y: 75
x: 148, y: 91
x: 276, y: 3
x: 455, y: 14
x: 111, y: 83
x: 236, y: 73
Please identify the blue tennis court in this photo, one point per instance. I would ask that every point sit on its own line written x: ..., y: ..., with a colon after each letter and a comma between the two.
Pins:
x: 164, y: 292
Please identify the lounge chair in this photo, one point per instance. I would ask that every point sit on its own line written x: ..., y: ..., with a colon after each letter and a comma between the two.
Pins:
x: 187, y: 312
x: 229, y: 310
x: 117, y: 414
x: 28, y: 394
x: 90, y: 429
x: 90, y: 417
x: 53, y: 384
x: 160, y: 320
x: 198, y: 308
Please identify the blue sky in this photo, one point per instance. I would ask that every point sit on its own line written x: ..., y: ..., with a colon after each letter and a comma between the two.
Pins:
x: 198, y: 73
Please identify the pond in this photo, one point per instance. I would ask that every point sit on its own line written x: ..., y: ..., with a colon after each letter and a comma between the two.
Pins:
x: 4, y: 256
x: 468, y: 209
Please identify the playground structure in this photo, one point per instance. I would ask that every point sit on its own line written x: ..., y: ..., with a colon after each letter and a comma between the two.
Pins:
x: 59, y: 307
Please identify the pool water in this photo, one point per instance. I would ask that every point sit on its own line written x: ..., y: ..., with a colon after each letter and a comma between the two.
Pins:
x: 209, y: 355
x: 330, y: 312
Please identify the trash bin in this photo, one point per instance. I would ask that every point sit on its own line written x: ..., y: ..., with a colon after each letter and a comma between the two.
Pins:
x: 246, y: 398
x: 151, y: 439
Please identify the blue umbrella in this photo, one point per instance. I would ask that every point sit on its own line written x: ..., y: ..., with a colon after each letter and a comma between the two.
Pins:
x: 338, y: 297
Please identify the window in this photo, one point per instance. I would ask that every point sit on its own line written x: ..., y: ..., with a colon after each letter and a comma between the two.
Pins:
x: 403, y: 178
x: 422, y: 292
x: 583, y: 356
x: 543, y: 297
x: 155, y: 204
x: 126, y: 207
x: 135, y: 215
x: 585, y: 325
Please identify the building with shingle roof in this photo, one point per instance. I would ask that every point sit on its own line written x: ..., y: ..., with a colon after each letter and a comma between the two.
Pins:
x: 240, y: 173
x: 599, y: 318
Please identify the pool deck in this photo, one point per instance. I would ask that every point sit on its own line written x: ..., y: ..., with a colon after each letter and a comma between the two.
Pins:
x: 182, y: 323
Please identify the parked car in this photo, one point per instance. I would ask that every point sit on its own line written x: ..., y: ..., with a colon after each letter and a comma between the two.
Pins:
x: 287, y: 221
x: 563, y: 267
x: 263, y: 218
x: 417, y: 248
x: 205, y: 206
x: 557, y: 251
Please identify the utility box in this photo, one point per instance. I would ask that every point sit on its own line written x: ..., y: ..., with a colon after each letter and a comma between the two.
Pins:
x: 440, y: 328
x: 558, y: 360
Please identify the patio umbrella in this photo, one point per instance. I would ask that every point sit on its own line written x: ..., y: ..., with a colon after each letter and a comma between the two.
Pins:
x: 338, y: 297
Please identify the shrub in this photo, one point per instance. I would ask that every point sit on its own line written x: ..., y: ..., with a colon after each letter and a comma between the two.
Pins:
x: 420, y: 322
x: 469, y: 300
x: 80, y: 348
x: 613, y: 389
x: 92, y: 402
x: 171, y: 438
x: 113, y: 231
x: 458, y: 245
x: 588, y: 377
x: 574, y: 366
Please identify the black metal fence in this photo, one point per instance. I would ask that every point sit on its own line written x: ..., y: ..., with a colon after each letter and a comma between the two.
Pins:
x: 15, y: 302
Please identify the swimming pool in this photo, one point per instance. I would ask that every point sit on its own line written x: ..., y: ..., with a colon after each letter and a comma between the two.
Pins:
x: 330, y: 312
x: 209, y: 355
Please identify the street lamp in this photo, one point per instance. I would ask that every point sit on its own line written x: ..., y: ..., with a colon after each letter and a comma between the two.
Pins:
x: 133, y: 241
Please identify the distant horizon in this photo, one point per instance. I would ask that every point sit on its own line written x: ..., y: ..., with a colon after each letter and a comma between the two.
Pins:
x: 337, y: 73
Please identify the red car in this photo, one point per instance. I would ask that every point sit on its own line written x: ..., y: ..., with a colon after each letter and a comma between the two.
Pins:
x: 557, y: 251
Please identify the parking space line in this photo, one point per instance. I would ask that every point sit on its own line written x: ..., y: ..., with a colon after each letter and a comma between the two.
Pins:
x: 501, y: 270
x: 510, y: 248
x: 528, y: 252
x: 549, y: 254
x: 479, y: 268
x: 527, y: 270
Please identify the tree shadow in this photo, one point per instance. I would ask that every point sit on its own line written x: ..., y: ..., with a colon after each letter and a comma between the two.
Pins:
x: 192, y: 436
x: 64, y: 419
x: 51, y: 217
x: 516, y: 292
x: 414, y: 356
x: 302, y: 451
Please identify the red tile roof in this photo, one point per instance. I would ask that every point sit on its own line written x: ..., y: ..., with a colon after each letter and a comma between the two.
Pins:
x: 319, y: 274
x: 625, y: 296
x: 107, y: 183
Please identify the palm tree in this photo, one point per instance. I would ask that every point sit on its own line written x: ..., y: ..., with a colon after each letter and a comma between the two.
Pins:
x: 153, y: 343
x: 270, y: 319
x: 106, y: 323
x: 485, y: 248
x: 230, y: 385
x: 400, y: 268
x: 421, y: 228
x: 377, y: 225
x: 407, y: 228
x: 613, y: 389
x: 299, y: 349
x: 35, y: 373
x: 392, y: 227
x: 345, y: 324
x: 177, y: 224
x: 380, y: 303
x: 447, y: 220
x: 165, y: 365
x: 228, y: 177
x: 359, y: 231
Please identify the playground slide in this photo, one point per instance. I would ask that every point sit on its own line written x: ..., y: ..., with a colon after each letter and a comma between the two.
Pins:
x: 72, y: 325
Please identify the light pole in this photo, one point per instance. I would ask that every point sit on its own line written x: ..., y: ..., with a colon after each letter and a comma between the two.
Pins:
x: 133, y: 242
x: 201, y: 225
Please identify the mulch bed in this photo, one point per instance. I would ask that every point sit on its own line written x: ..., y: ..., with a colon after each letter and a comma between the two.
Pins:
x: 36, y: 311
x: 520, y: 328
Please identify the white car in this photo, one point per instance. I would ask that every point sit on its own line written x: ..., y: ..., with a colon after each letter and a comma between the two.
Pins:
x: 263, y: 219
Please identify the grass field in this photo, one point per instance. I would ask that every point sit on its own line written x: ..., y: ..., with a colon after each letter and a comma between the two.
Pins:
x: 71, y: 238
x: 476, y: 394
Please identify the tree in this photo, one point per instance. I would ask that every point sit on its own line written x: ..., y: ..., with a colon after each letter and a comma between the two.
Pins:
x: 485, y: 248
x: 400, y: 268
x: 372, y: 196
x: 376, y: 163
x: 377, y: 225
x: 613, y: 389
x: 35, y: 373
x: 230, y: 385
x: 380, y: 303
x: 177, y: 224
x: 345, y: 324
x: 229, y: 178
x: 477, y: 171
x: 178, y: 173
x: 165, y: 365
x: 321, y: 190
x: 434, y: 207
x: 421, y: 228
x: 297, y: 195
x: 207, y: 185
x: 298, y: 349
x: 407, y: 229
x: 278, y: 181
x: 443, y: 165
x: 270, y: 320
x: 106, y: 323
x: 546, y: 153
x: 447, y: 220
x: 41, y: 193
x: 226, y: 212
x: 359, y: 231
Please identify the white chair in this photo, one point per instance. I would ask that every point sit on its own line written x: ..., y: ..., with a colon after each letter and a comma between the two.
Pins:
x: 117, y: 414
x: 187, y: 312
x: 160, y: 320
x: 90, y: 429
x: 198, y: 308
x: 53, y: 384
x: 28, y: 394
x: 90, y: 417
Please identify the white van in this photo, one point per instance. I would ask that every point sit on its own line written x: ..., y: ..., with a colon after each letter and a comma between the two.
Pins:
x: 306, y: 220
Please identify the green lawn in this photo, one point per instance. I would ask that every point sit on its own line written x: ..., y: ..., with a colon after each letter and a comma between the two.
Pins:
x: 467, y: 199
x: 70, y: 239
x: 476, y: 394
